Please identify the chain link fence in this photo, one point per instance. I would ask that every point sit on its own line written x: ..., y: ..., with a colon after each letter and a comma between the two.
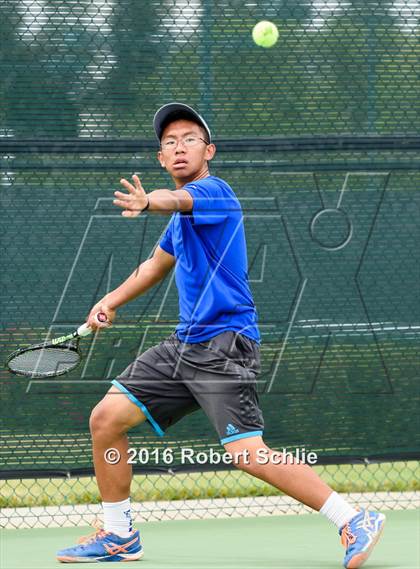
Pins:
x: 72, y: 501
x: 101, y: 68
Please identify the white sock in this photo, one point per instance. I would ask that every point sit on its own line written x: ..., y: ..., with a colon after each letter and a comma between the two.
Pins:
x: 117, y: 517
x: 337, y: 510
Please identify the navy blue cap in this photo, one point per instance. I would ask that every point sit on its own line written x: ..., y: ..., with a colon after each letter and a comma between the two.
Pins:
x: 176, y: 111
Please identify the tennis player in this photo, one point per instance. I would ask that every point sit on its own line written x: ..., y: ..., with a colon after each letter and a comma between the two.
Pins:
x: 211, y: 360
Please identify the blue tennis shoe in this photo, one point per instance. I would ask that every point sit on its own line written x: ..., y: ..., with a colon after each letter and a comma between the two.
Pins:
x: 103, y: 546
x: 359, y: 537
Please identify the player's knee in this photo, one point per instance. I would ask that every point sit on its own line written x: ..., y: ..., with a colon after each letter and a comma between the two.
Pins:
x: 97, y: 420
x: 245, y: 452
x: 243, y: 460
x: 103, y: 422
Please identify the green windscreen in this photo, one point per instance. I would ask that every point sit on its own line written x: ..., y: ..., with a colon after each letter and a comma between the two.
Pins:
x: 317, y: 136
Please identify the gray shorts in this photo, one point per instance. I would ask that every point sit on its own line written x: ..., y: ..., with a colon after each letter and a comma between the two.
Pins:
x: 174, y: 378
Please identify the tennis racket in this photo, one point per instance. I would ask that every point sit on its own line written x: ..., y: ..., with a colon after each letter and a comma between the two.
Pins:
x: 55, y: 357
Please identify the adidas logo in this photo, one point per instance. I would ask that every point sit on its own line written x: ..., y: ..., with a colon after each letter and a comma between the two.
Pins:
x: 231, y: 429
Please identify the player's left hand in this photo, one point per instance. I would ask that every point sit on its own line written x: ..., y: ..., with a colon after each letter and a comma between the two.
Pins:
x: 133, y: 202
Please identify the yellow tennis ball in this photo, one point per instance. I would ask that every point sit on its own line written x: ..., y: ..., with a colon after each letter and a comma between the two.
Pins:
x: 265, y: 34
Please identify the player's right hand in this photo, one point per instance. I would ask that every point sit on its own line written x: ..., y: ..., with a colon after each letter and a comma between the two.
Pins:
x: 104, y: 308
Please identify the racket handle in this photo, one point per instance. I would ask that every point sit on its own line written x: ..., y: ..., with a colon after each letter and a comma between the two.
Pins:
x: 85, y: 329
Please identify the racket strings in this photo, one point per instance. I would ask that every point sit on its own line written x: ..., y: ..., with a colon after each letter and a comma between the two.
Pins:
x: 45, y: 361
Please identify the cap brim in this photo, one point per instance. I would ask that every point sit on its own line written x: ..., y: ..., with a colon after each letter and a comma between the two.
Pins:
x: 162, y: 115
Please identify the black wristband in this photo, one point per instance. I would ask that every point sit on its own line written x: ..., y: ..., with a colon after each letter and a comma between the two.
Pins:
x: 147, y: 207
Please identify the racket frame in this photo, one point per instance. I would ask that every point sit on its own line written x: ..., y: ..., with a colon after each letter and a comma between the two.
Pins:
x: 82, y: 331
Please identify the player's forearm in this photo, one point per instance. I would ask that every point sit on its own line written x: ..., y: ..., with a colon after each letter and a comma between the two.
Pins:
x: 139, y: 282
x: 163, y: 202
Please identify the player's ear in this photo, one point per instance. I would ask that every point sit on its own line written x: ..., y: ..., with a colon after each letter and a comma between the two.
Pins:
x: 160, y: 158
x: 210, y: 151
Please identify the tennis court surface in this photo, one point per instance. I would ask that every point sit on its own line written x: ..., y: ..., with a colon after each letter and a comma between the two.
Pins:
x: 281, y: 541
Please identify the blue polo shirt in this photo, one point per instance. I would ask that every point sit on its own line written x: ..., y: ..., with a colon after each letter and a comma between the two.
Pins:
x: 211, y: 271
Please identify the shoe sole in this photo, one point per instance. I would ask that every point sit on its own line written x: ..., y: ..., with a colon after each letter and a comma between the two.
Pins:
x: 359, y: 559
x: 123, y: 558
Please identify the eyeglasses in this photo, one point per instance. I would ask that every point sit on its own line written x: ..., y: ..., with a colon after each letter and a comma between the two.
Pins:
x: 188, y: 141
